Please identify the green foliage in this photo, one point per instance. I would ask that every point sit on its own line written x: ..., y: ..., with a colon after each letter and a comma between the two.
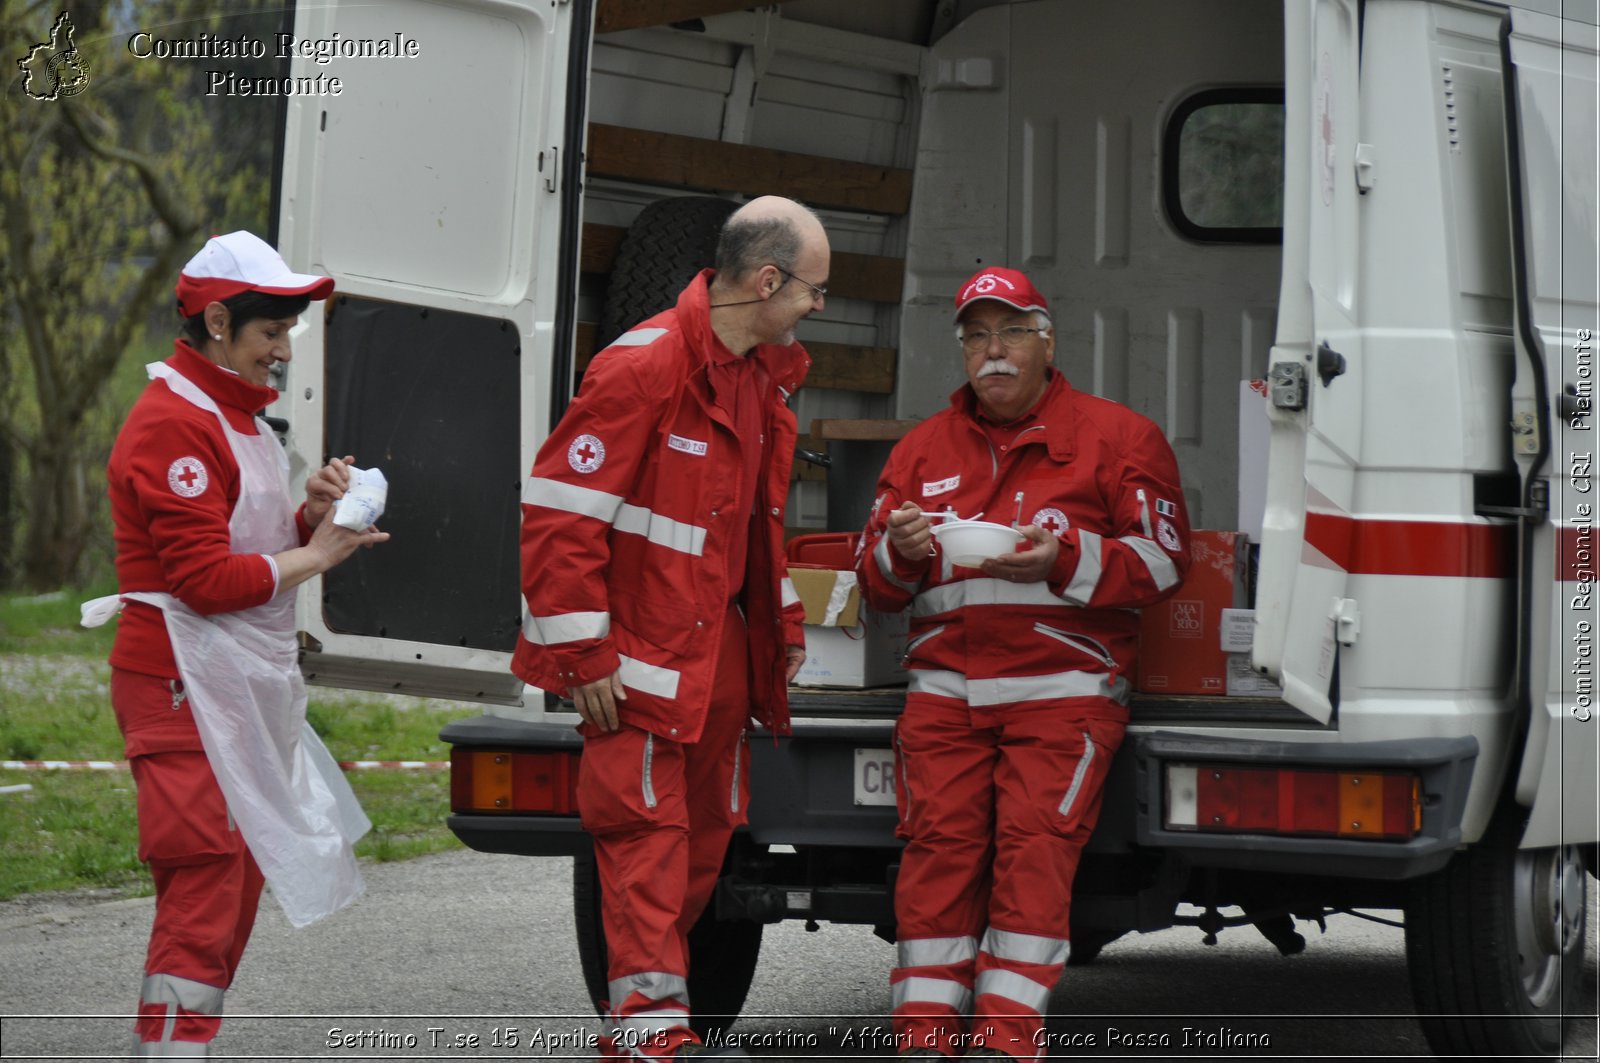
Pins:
x: 48, y: 624
x: 103, y: 196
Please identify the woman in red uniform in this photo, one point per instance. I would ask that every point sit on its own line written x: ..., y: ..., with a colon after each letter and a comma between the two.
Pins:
x: 232, y: 786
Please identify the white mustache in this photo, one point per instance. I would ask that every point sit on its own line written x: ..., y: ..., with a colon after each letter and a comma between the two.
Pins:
x: 991, y: 368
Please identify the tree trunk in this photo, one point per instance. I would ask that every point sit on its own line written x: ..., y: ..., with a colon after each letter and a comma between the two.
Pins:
x: 58, y: 526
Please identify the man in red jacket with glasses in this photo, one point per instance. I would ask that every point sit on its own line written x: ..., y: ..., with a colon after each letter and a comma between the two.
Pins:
x: 1018, y: 669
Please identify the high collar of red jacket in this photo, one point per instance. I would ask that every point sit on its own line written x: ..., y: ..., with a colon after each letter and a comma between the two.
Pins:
x: 227, y: 388
x: 1054, y: 412
x: 786, y: 365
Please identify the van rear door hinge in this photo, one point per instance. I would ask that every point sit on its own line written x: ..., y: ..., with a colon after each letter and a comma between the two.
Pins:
x: 1346, y: 621
x: 1286, y: 385
x: 550, y: 175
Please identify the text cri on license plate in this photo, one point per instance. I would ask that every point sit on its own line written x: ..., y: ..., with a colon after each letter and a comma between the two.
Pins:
x: 874, y: 778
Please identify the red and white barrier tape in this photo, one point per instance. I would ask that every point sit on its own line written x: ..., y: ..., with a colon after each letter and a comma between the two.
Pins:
x: 122, y: 765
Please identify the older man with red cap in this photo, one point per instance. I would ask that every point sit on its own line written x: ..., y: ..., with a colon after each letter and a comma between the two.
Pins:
x: 1018, y: 669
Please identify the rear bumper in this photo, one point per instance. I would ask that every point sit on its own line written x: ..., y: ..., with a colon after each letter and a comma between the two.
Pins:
x: 802, y: 794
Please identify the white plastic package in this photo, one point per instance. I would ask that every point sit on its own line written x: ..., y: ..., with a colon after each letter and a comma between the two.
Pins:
x: 363, y: 502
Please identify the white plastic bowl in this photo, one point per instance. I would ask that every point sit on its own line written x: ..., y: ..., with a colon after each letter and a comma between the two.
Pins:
x: 972, y: 542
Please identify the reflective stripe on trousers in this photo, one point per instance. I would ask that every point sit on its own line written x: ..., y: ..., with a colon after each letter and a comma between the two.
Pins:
x: 172, y: 993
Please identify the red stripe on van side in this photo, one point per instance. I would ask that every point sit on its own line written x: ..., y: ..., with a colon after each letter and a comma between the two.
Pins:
x: 1575, y: 554
x: 1413, y: 547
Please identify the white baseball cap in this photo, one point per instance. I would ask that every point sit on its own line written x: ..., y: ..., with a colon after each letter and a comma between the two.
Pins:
x: 241, y: 262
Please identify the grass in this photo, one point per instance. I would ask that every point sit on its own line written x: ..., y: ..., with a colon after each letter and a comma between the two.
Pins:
x: 77, y: 829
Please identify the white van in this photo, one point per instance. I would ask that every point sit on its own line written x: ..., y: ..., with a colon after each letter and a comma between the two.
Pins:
x: 1386, y: 209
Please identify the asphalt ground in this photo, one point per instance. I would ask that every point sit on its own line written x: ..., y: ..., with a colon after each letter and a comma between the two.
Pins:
x: 447, y: 954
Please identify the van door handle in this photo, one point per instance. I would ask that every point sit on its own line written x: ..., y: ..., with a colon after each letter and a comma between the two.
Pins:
x: 1330, y: 363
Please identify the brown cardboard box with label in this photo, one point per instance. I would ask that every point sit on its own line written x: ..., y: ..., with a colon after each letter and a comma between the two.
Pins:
x: 847, y: 643
x: 1180, y: 639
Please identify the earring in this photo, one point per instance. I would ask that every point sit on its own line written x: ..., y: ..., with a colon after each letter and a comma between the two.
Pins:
x: 216, y: 335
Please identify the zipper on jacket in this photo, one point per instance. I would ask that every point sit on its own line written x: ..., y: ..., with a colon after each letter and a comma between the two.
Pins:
x: 1082, y: 643
x: 178, y: 694
x: 1078, y: 776
x: 919, y: 640
x: 1144, y: 513
x: 648, y: 787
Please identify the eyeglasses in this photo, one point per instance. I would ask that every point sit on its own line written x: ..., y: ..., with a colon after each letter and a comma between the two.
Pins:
x: 817, y: 291
x: 1010, y: 336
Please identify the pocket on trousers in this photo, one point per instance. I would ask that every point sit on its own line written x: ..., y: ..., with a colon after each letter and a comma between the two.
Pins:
x: 183, y: 817
x: 625, y: 779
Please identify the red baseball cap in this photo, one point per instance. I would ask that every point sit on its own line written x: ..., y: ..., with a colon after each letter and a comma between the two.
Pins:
x: 1009, y: 286
x: 241, y: 262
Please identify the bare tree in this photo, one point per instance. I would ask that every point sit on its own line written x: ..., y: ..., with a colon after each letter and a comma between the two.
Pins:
x: 102, y: 196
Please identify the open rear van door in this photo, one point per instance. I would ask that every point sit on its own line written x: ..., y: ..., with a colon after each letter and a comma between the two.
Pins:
x: 1315, y: 370
x: 439, y: 189
x: 1551, y: 120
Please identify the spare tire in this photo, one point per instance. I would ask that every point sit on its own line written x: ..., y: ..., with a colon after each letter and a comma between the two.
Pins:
x: 668, y: 243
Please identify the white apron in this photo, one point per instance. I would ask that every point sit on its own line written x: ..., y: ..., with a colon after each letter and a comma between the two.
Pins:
x: 240, y: 670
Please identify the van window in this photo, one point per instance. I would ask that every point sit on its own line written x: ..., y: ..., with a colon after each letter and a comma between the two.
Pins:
x: 1222, y: 166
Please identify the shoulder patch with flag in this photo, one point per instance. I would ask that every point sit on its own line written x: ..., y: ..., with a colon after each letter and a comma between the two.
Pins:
x: 1165, y: 508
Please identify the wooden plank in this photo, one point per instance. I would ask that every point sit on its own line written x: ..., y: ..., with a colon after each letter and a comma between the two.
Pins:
x: 599, y: 250
x: 843, y: 367
x: 874, y: 431
x: 716, y: 166
x: 583, y: 345
x: 877, y: 278
x: 610, y: 16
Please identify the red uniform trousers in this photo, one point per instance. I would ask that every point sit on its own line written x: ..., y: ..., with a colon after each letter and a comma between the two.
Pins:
x: 996, y: 806
x: 661, y: 814
x: 208, y: 886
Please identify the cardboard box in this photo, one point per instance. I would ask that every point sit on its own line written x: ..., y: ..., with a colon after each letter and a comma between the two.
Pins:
x: 1243, y: 682
x: 847, y: 643
x: 1180, y: 639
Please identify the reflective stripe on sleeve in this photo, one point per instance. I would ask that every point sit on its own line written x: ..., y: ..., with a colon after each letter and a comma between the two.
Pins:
x: 639, y: 337
x: 603, y: 506
x: 650, y: 678
x: 571, y: 498
x: 932, y: 952
x: 1013, y: 986
x: 1024, y: 948
x: 1155, y: 559
x: 663, y: 531
x: 1086, y: 577
x: 930, y: 991
x: 880, y: 553
x: 1011, y: 689
x: 565, y: 627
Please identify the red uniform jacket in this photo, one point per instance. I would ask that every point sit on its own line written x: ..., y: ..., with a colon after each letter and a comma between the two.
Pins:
x: 1102, y: 479
x: 173, y: 483
x: 627, y: 522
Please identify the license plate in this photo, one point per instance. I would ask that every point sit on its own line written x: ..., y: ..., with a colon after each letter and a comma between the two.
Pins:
x: 874, y: 777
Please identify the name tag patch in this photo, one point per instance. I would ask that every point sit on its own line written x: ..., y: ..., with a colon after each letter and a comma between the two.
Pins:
x: 941, y: 487
x: 687, y: 446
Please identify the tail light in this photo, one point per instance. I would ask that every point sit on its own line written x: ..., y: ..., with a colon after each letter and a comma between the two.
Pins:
x: 491, y: 781
x: 1227, y: 798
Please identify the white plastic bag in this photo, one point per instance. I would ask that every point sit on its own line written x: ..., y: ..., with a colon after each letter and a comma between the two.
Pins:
x: 363, y: 502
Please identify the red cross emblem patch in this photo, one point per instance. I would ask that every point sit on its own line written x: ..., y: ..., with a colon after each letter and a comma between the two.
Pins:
x: 1051, y: 520
x: 187, y: 477
x: 586, y: 453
